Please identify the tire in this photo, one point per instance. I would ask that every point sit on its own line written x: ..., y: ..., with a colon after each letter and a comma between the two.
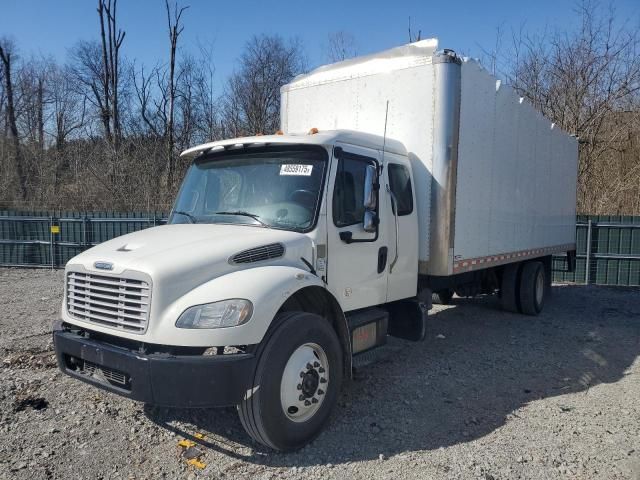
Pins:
x: 532, y: 288
x: 548, y: 271
x: 443, y: 297
x: 509, y: 290
x: 282, y: 359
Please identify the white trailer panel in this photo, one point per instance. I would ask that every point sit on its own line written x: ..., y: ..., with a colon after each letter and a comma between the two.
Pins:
x: 494, y: 180
x: 516, y: 177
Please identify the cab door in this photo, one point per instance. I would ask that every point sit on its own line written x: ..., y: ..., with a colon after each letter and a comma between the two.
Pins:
x: 357, y: 262
x: 402, y: 227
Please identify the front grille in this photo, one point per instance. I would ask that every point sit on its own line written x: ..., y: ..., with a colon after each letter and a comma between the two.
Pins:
x: 116, y: 302
x: 104, y: 373
x: 257, y: 254
x: 99, y: 373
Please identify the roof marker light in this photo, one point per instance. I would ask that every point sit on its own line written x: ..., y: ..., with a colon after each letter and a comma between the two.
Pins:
x: 313, y: 131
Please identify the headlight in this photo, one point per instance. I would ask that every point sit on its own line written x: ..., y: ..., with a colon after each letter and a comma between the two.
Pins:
x: 227, y: 313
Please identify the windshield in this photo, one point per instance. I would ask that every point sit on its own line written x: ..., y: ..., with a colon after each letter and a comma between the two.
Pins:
x: 271, y: 187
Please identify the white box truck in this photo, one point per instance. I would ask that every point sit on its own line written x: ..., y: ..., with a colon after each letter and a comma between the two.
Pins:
x: 398, y: 178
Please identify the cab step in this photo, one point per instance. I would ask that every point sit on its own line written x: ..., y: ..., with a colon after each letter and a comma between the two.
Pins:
x: 378, y: 354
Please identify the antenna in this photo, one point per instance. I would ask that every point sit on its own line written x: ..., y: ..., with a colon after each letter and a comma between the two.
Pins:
x: 394, y: 201
x: 384, y: 136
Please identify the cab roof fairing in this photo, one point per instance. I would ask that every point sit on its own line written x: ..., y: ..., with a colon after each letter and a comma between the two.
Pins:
x: 323, y: 138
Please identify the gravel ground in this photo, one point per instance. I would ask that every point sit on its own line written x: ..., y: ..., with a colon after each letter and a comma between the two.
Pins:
x: 489, y: 395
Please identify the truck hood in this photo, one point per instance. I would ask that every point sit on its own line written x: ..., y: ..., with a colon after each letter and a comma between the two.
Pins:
x: 184, y: 256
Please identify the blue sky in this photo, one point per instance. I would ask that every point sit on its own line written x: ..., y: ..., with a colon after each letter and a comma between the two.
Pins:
x: 48, y: 27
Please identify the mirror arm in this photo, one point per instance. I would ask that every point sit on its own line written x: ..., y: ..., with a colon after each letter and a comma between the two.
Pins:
x: 346, y: 236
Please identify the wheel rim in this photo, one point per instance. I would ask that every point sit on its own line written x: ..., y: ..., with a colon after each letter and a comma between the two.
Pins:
x: 539, y: 287
x: 304, y: 383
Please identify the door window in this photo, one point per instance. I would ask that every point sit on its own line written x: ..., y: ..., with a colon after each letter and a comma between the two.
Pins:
x: 400, y: 185
x: 348, y: 192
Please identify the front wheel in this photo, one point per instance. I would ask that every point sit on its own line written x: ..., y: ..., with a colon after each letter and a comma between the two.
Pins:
x: 296, y: 382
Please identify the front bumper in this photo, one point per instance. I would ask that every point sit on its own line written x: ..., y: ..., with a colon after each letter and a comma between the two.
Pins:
x: 157, y: 379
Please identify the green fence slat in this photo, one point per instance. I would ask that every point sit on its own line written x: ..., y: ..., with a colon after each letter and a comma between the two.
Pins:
x: 625, y: 241
x: 581, y: 240
x: 635, y: 242
x: 634, y: 273
x: 622, y: 277
x: 613, y: 266
x: 601, y: 244
x: 614, y: 240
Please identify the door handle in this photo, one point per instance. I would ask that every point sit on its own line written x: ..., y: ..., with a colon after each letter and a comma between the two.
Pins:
x: 382, y: 259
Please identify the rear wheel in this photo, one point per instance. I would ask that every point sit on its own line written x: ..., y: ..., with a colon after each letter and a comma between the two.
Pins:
x: 509, y: 294
x: 533, y: 286
x: 296, y: 382
x: 442, y: 297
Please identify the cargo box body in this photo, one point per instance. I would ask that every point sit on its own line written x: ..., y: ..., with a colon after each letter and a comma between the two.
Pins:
x: 495, y: 181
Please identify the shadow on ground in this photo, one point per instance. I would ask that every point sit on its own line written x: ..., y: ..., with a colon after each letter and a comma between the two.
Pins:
x: 455, y: 389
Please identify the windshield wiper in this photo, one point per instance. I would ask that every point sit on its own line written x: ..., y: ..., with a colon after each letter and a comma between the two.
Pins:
x: 191, y: 218
x: 246, y: 214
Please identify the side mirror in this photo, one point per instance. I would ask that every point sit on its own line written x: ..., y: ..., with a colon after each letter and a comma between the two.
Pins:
x: 370, y: 184
x: 370, y: 221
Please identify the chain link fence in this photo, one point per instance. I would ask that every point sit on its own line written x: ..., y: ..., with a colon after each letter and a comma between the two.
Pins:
x: 49, y: 239
x: 608, y: 252
x: 608, y: 248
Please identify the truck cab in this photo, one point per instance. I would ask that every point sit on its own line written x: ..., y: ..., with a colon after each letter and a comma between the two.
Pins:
x: 275, y: 266
x: 340, y: 195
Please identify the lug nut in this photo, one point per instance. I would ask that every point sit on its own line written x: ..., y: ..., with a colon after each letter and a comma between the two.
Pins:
x: 316, y: 364
x: 320, y: 392
x: 314, y: 400
x: 309, y: 367
x: 301, y: 397
x: 301, y: 374
x: 307, y: 403
x: 321, y: 370
x: 323, y: 380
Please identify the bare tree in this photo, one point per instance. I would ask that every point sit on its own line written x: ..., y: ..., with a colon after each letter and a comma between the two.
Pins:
x: 106, y: 76
x: 111, y: 42
x: 90, y: 81
x: 208, y: 125
x: 7, y: 56
x: 164, y: 93
x: 175, y: 29
x: 32, y: 99
x: 583, y: 81
x: 341, y: 45
x: 144, y: 88
x: 492, y: 58
x: 68, y: 112
x: 253, y: 94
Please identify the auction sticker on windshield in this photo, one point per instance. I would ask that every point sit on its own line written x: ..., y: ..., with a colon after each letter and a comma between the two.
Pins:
x: 296, y: 169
